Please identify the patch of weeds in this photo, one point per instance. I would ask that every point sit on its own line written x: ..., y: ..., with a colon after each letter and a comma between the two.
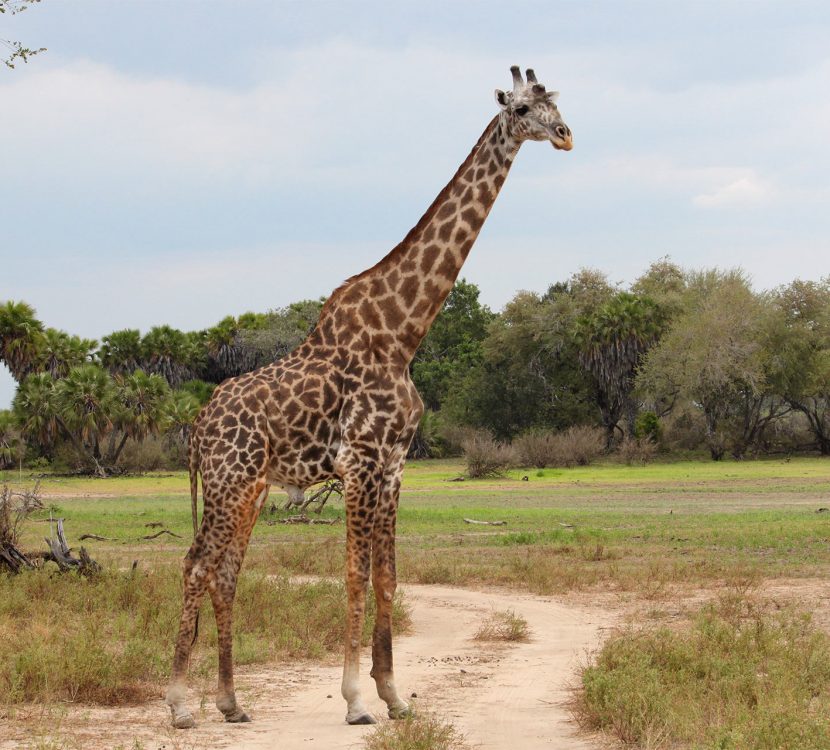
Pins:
x: 504, y: 626
x: 418, y: 731
x: 737, y: 677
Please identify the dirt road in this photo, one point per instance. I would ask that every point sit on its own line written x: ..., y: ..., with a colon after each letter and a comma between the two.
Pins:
x: 502, y: 697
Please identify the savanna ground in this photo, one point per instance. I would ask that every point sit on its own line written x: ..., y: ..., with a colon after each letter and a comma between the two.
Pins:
x: 699, y: 577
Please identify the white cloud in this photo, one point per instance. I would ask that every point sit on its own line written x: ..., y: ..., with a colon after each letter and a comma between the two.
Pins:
x: 743, y: 192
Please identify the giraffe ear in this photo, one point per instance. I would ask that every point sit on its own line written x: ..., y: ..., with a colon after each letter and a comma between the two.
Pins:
x: 501, y: 99
x: 552, y: 96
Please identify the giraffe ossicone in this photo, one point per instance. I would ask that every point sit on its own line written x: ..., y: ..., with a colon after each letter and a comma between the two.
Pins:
x: 343, y: 405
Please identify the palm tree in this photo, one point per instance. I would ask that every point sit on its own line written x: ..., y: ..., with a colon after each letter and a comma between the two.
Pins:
x: 86, y: 403
x: 34, y: 409
x: 168, y: 352
x: 20, y: 336
x: 182, y: 409
x: 60, y: 352
x: 121, y: 351
x: 10, y: 447
x: 224, y: 353
x: 612, y: 341
x: 143, y: 400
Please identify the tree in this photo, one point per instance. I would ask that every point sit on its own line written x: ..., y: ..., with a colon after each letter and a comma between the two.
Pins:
x: 121, y: 351
x: 143, y: 406
x: 799, y: 334
x: 20, y: 336
x: 170, y: 353
x: 612, y: 341
x: 453, y: 344
x: 713, y: 357
x: 18, y: 51
x: 263, y: 341
x: 11, y: 448
x: 58, y: 352
x: 34, y: 409
x: 86, y: 403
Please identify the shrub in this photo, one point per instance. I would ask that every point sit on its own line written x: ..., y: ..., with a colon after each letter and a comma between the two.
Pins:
x: 453, y: 437
x: 736, y: 677
x: 486, y: 457
x: 647, y: 426
x: 580, y: 446
x: 418, y: 731
x: 538, y: 448
x: 503, y: 626
x: 637, y: 450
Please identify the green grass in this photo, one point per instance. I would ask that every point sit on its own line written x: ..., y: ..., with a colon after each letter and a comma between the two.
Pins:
x: 109, y: 639
x: 738, y: 677
x: 609, y: 525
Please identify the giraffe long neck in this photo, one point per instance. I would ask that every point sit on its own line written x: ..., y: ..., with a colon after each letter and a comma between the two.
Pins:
x: 392, y: 305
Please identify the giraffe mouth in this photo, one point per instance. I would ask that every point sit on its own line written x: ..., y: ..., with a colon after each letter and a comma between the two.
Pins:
x: 564, y: 144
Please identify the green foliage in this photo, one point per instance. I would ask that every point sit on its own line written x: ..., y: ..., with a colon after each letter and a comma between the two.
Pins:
x: 452, y: 346
x: 11, y: 447
x: 121, y: 351
x: 737, y: 678
x: 58, y: 352
x: 20, y: 336
x: 18, y: 50
x: 647, y: 426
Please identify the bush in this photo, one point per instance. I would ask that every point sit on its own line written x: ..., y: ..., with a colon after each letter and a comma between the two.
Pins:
x: 538, y: 448
x: 486, y: 457
x: 580, y: 446
x: 418, y: 731
x: 737, y: 677
x: 647, y: 426
x: 453, y: 437
x: 503, y: 626
x: 637, y: 450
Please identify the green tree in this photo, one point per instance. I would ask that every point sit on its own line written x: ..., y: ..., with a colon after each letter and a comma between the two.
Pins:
x: 713, y: 357
x: 800, y: 344
x: 143, y: 403
x: 612, y: 341
x: 453, y: 344
x: 169, y: 352
x: 20, y: 336
x: 34, y: 409
x: 121, y: 351
x: 263, y: 341
x: 58, y: 352
x: 11, y: 447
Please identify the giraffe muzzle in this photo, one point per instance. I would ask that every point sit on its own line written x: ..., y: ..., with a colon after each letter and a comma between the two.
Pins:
x: 562, y: 138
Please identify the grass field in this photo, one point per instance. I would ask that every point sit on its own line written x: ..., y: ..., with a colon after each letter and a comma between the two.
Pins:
x: 639, y: 530
x: 565, y: 529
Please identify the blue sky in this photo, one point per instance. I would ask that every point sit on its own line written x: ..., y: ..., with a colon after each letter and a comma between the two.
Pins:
x: 175, y: 162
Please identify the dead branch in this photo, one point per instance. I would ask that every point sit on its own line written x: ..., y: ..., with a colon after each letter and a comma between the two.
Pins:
x: 306, y: 519
x: 96, y: 537
x: 485, y: 523
x: 159, y: 533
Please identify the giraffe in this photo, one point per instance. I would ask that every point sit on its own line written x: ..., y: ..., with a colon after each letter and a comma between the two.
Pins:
x: 343, y: 405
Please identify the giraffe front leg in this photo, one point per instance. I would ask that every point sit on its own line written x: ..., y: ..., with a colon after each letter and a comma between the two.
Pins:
x: 362, y: 487
x: 384, y: 582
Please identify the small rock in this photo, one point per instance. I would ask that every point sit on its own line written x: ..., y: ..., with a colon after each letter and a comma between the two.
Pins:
x: 328, y: 696
x: 414, y: 695
x: 463, y: 671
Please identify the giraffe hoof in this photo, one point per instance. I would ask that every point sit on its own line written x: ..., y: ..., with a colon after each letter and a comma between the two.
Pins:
x: 239, y: 717
x: 402, y: 712
x: 362, y: 719
x: 184, y: 721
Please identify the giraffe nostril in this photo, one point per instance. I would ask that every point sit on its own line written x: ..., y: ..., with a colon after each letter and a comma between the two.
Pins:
x: 562, y: 131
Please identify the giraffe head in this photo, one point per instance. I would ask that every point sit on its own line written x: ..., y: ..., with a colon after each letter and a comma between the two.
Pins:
x: 530, y: 112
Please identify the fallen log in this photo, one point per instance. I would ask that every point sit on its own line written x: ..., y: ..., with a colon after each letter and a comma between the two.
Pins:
x: 96, y: 537
x: 485, y: 523
x: 306, y: 519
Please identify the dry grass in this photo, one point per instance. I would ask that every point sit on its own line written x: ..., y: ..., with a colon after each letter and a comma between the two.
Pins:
x: 419, y: 731
x: 486, y: 457
x: 504, y: 626
x: 109, y: 639
x: 741, y: 675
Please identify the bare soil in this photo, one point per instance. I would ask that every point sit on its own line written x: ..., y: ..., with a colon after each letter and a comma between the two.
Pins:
x: 501, y: 696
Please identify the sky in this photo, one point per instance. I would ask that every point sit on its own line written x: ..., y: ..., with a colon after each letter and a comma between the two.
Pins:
x: 176, y: 162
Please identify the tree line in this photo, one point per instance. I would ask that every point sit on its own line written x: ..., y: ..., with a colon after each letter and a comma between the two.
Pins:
x: 689, y: 358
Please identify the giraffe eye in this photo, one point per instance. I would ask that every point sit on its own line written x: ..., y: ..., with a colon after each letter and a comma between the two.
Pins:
x: 522, y: 110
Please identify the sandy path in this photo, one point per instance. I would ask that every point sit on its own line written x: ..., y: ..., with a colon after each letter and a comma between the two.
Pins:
x: 499, y: 696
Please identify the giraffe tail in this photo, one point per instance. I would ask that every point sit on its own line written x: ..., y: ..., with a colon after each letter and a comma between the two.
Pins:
x: 193, y: 468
